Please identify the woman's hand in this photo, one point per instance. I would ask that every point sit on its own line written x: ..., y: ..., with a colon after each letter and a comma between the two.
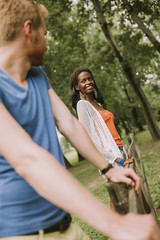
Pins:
x: 129, y: 160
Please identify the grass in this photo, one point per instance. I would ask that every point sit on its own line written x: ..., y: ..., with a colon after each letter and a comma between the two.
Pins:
x: 88, y: 175
x: 72, y: 156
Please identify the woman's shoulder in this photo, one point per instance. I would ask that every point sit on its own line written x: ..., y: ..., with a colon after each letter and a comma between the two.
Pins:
x: 85, y: 104
x: 82, y: 101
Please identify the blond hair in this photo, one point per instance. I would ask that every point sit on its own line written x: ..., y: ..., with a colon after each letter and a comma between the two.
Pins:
x: 13, y: 15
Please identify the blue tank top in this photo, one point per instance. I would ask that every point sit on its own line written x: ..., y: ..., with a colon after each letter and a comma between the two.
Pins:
x: 22, y: 210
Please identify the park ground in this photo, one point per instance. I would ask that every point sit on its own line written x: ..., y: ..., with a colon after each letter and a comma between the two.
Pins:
x: 89, y: 177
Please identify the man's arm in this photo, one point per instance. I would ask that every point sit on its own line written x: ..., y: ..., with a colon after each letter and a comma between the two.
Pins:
x: 74, y: 131
x: 43, y: 172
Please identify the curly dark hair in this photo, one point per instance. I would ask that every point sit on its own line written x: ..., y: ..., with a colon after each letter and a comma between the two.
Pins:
x: 75, y: 97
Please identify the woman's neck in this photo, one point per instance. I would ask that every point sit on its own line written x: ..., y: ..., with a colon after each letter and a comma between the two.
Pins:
x: 94, y: 103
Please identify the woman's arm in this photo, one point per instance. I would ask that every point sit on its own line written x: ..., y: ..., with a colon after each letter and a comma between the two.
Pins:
x: 74, y: 131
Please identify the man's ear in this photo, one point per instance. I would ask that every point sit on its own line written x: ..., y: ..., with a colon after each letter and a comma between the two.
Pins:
x: 27, y: 28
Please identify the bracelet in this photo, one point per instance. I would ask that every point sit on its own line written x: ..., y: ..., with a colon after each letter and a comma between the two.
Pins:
x: 104, y: 170
x: 120, y: 163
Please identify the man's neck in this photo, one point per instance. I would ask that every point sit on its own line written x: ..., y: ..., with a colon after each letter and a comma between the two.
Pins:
x: 14, y: 63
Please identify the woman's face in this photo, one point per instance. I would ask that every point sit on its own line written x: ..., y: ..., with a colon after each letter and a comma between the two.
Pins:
x: 85, y: 83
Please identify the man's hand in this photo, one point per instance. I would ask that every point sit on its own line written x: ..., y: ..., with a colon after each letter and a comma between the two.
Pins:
x: 135, y: 227
x: 126, y: 175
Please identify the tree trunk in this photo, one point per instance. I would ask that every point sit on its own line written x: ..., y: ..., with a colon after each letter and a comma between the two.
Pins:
x: 134, y: 110
x: 138, y: 123
x: 127, y: 130
x: 153, y: 128
x: 141, y: 25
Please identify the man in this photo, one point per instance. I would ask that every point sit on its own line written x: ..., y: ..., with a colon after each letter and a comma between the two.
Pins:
x: 34, y: 186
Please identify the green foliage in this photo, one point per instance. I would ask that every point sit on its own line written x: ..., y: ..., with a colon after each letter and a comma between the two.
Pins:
x: 72, y: 157
x: 66, y: 48
x: 76, y: 40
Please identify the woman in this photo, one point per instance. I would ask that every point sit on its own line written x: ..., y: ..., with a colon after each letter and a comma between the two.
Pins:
x: 89, y: 104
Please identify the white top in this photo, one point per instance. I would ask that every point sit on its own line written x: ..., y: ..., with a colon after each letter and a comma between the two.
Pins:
x: 98, y: 131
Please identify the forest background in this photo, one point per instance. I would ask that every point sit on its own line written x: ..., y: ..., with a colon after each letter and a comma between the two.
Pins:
x: 119, y: 40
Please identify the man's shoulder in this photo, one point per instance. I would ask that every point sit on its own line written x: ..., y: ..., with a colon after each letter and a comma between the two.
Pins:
x: 39, y: 76
x: 36, y: 70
